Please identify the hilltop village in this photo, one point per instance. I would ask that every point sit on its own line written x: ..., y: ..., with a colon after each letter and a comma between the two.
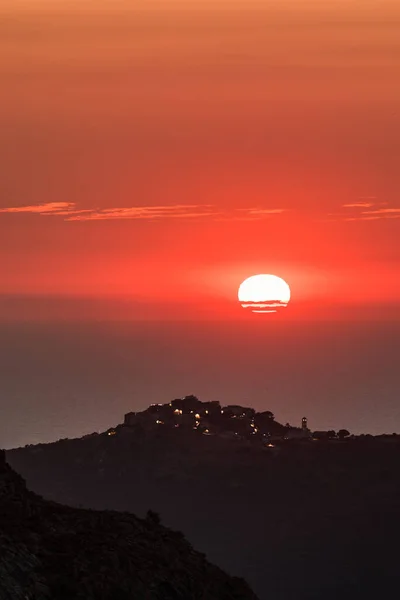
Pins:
x: 231, y: 421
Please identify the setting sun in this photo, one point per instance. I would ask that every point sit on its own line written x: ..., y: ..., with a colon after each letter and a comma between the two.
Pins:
x: 264, y: 293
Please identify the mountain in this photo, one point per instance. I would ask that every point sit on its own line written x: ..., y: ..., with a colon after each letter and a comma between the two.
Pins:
x: 299, y: 518
x: 50, y: 551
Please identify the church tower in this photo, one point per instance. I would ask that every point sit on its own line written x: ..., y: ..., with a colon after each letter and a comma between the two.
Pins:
x: 304, y: 424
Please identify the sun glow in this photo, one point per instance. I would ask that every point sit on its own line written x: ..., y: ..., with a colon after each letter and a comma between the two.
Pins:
x: 264, y: 294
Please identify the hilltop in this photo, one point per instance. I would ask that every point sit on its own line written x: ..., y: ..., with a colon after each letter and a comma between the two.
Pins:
x: 300, y: 518
x: 49, y: 551
x: 208, y: 418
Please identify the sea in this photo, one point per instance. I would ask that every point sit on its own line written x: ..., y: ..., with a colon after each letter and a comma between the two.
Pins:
x: 68, y: 379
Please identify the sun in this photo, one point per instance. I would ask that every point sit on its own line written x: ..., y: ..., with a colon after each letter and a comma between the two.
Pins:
x: 264, y: 293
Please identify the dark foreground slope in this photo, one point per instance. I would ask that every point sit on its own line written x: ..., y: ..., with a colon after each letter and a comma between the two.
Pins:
x: 304, y: 520
x: 49, y: 551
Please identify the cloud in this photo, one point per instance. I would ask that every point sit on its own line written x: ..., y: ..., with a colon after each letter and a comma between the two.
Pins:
x: 261, y: 212
x: 48, y: 208
x: 359, y: 205
x: 368, y: 209
x: 250, y: 214
x: 363, y: 210
x: 70, y: 212
x: 382, y: 211
x: 178, y: 211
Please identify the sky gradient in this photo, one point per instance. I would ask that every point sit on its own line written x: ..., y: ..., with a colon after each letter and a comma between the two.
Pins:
x: 164, y: 151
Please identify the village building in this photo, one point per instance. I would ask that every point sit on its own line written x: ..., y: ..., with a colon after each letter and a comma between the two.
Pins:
x: 297, y: 433
x: 130, y: 419
x: 209, y: 409
x: 186, y: 404
x: 235, y: 410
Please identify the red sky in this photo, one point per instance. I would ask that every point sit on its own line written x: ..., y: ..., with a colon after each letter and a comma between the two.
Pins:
x: 165, y: 151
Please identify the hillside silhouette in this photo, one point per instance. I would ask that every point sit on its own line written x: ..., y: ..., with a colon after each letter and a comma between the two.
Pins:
x: 315, y: 516
x: 49, y: 551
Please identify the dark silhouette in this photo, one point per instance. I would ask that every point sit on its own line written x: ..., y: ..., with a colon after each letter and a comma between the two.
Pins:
x: 268, y: 414
x: 52, y: 552
x: 343, y: 433
x: 153, y: 517
x: 300, y: 518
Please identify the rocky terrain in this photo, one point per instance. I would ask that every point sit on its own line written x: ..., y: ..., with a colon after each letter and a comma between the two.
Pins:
x: 299, y: 519
x: 49, y: 551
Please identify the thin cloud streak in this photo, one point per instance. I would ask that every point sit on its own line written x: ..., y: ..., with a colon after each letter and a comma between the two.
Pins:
x: 42, y: 209
x: 359, y: 205
x: 263, y: 211
x: 258, y: 213
x: 382, y: 211
x: 367, y: 211
x: 70, y: 212
x: 373, y: 217
x: 147, y: 213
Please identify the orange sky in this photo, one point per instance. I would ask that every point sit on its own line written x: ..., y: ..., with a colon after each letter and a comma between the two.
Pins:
x: 166, y: 150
